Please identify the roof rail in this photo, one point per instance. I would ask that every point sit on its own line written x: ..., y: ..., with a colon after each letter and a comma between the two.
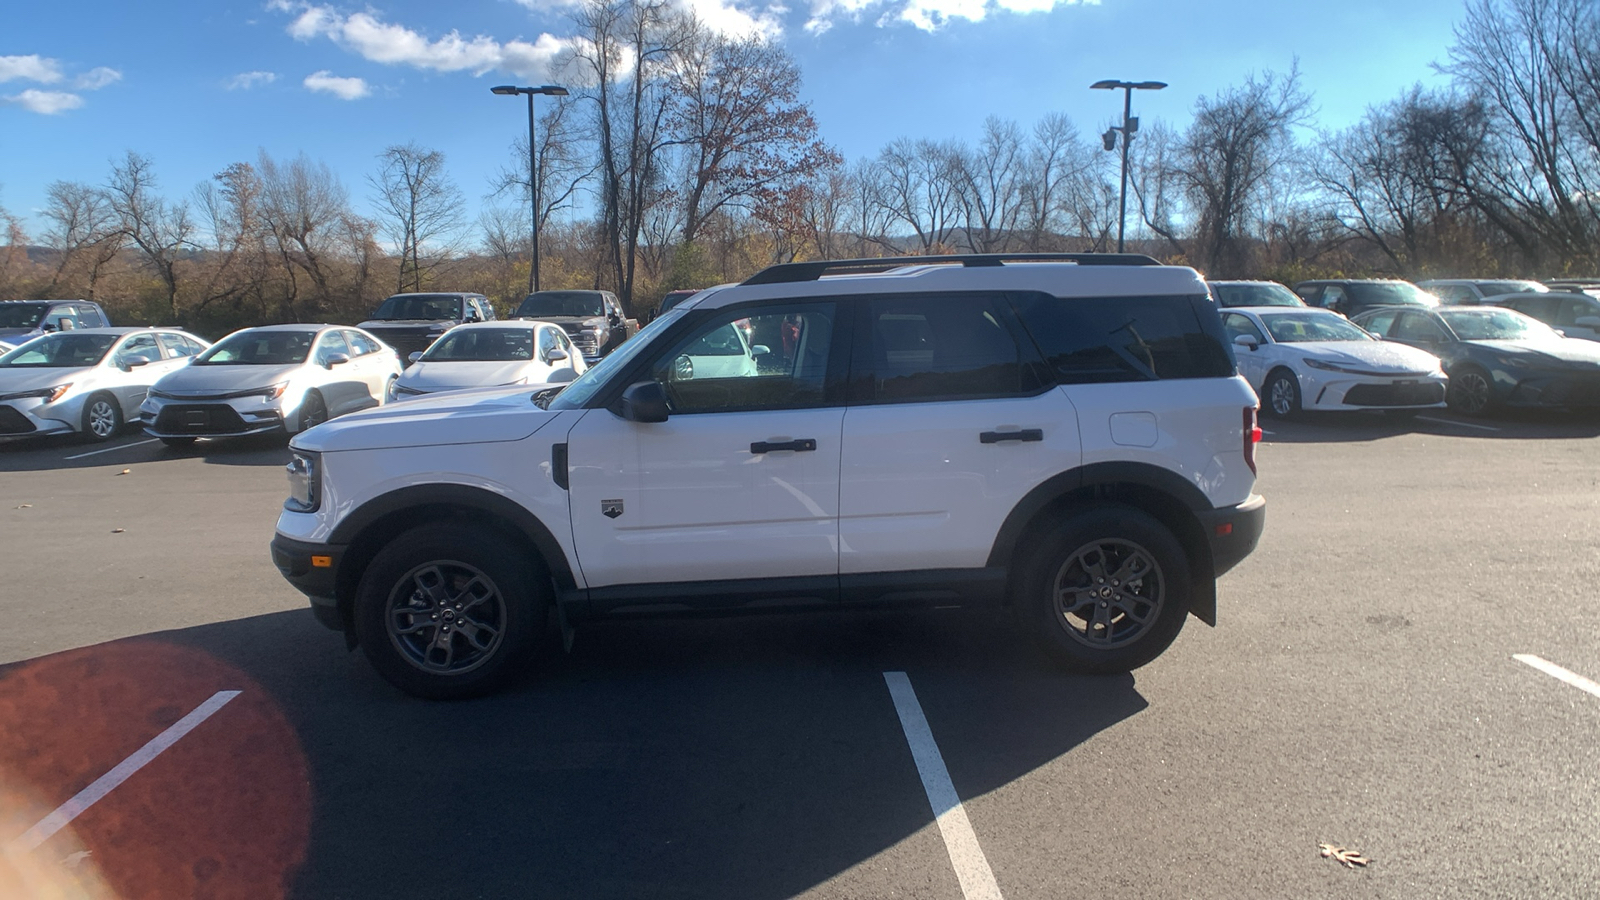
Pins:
x: 786, y: 273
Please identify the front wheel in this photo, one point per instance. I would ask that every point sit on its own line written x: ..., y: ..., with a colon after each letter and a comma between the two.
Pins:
x: 1470, y: 392
x: 446, y: 612
x: 1105, y: 590
x: 1282, y: 394
x: 102, y: 418
x: 313, y: 411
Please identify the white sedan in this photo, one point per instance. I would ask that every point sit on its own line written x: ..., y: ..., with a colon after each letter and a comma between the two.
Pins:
x: 272, y: 378
x: 488, y: 354
x: 89, y: 380
x: 1300, y: 359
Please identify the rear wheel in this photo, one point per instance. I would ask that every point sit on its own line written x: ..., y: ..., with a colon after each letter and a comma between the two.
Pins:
x: 102, y: 418
x: 1106, y: 590
x: 447, y: 612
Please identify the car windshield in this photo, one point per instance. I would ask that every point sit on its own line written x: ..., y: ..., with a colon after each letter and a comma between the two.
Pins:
x: 674, y: 298
x: 1390, y: 293
x: 482, y: 345
x: 22, y: 315
x: 1495, y: 325
x: 562, y: 303
x: 1297, y: 329
x: 60, y: 351
x: 576, y: 394
x: 1263, y: 294
x: 259, y: 348
x: 1496, y: 288
x: 420, y: 306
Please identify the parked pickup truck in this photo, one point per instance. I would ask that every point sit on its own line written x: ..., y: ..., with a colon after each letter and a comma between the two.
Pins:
x: 593, y: 319
x: 410, y: 323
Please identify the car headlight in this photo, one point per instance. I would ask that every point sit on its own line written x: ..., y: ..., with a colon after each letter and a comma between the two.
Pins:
x: 1512, y: 362
x: 273, y: 392
x: 305, y: 481
x: 1324, y: 365
x: 48, y: 395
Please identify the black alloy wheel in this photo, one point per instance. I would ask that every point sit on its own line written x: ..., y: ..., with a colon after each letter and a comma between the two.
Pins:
x: 313, y: 411
x: 1470, y: 393
x: 1106, y: 590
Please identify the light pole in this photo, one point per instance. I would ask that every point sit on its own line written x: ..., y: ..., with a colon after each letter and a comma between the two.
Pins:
x: 553, y: 90
x: 1129, y: 126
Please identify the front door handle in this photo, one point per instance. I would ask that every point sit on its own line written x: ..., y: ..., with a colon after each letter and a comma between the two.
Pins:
x: 1026, y: 434
x: 769, y: 446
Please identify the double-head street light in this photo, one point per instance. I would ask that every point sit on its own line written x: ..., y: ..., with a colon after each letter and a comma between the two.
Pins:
x: 553, y: 90
x: 1129, y: 126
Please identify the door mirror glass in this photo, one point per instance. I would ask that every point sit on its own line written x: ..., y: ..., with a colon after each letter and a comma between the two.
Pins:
x: 643, y: 402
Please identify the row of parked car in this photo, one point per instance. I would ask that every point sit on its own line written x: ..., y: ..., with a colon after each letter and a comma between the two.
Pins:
x: 1472, y: 345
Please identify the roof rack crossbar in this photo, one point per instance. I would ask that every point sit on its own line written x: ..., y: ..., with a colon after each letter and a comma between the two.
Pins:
x: 786, y: 273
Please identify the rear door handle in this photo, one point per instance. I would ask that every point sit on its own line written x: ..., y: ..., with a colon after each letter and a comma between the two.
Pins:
x: 1026, y: 434
x: 770, y: 446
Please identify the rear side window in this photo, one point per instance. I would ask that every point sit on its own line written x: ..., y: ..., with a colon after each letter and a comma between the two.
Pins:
x: 90, y: 316
x: 1108, y: 339
x: 941, y: 348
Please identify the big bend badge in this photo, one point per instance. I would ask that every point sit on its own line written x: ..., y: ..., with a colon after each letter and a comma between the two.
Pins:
x: 611, y: 508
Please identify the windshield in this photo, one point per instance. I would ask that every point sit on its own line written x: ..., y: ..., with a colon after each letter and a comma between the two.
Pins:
x: 420, y: 306
x: 562, y: 303
x: 1496, y: 288
x: 1390, y: 293
x: 1265, y: 294
x: 259, y: 348
x: 22, y: 315
x: 674, y: 298
x: 60, y: 351
x: 576, y: 394
x: 1296, y: 329
x: 482, y: 345
x: 1495, y: 325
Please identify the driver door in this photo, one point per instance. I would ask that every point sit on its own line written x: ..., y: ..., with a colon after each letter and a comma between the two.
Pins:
x: 741, y: 481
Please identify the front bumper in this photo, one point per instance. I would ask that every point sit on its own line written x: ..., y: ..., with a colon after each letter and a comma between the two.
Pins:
x: 31, y: 418
x: 199, y: 417
x: 1340, y: 391
x: 1233, y: 531
x: 1556, y: 389
x: 313, y: 570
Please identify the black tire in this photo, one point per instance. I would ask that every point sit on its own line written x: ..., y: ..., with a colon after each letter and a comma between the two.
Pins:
x: 1471, y: 392
x: 102, y: 418
x: 1077, y: 600
x: 1280, y: 395
x: 313, y: 411
x: 179, y: 442
x: 485, y: 601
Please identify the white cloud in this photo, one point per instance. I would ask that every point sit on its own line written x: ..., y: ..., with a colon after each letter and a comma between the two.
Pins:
x: 96, y: 78
x: 724, y: 17
x: 343, y: 88
x: 244, y: 81
x: 371, y: 38
x: 928, y: 15
x: 30, y: 68
x: 46, y: 103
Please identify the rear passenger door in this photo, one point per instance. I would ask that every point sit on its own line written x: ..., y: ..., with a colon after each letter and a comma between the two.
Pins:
x: 952, y: 419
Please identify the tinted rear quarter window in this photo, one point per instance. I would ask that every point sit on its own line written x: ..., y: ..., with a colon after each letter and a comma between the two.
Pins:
x: 1110, y: 339
x: 942, y: 348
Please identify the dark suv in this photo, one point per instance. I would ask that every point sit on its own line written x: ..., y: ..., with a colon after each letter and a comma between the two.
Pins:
x: 24, y: 320
x: 410, y: 323
x: 593, y: 319
x: 1351, y: 297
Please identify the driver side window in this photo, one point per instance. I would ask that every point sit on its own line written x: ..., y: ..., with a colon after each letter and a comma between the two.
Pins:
x: 774, y: 359
x: 331, y: 343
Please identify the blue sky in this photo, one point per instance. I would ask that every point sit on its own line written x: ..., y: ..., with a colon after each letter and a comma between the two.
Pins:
x: 199, y: 84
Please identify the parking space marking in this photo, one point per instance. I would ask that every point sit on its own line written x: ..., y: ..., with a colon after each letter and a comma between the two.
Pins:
x: 1453, y: 422
x: 972, y: 867
x: 118, y: 447
x: 105, y: 784
x: 1558, y: 673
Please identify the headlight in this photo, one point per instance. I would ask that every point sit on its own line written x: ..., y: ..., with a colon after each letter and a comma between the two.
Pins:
x: 1324, y: 365
x: 270, y: 393
x: 48, y: 395
x: 305, y: 481
x: 1512, y: 362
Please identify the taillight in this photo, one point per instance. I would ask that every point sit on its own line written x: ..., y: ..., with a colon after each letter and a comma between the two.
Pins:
x: 1252, y: 437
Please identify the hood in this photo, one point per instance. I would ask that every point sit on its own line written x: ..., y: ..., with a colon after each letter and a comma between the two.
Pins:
x: 462, y: 417
x: 1574, y: 352
x: 1382, y: 357
x: 18, y: 335
x: 29, y: 379
x: 450, y: 376
x: 371, y: 324
x: 223, y: 379
x: 564, y: 320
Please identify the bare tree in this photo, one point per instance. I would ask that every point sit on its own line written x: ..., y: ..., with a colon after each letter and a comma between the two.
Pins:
x: 989, y: 187
x: 917, y: 186
x: 82, y: 230
x: 422, y: 209
x: 160, y: 231
x: 306, y: 210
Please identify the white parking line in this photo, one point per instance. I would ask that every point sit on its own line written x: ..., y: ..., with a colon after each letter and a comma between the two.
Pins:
x: 1452, y: 422
x: 66, y: 812
x: 972, y: 868
x: 1558, y: 673
x: 118, y: 447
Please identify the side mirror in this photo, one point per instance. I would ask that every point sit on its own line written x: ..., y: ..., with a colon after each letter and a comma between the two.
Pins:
x: 643, y: 402
x: 415, y: 355
x: 128, y: 365
x: 556, y: 355
x: 472, y: 316
x: 760, y: 350
x: 47, y: 328
x: 335, y: 359
x: 1245, y: 340
x: 614, y: 319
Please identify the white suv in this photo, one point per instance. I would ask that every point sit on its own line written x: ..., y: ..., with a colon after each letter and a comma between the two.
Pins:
x: 1065, y: 435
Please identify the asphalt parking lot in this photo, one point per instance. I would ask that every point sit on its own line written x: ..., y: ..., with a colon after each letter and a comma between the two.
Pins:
x: 1375, y: 683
